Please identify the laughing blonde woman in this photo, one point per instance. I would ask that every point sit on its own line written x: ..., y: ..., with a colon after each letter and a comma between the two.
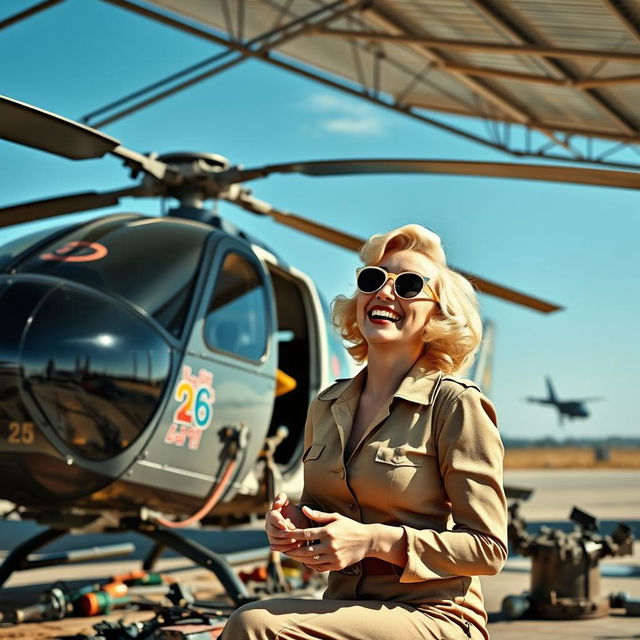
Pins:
x: 403, y: 501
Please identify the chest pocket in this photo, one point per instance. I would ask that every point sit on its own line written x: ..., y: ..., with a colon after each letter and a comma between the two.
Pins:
x: 313, y: 452
x: 399, y: 457
x: 403, y: 471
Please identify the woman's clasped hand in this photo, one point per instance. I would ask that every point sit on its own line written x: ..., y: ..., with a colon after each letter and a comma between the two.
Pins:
x: 282, y: 517
x: 335, y: 542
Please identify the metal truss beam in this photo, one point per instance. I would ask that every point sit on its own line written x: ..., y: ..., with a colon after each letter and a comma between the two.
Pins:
x: 618, y: 10
x: 379, y: 57
x: 571, y: 131
x: 548, y: 66
x: 519, y: 33
x: 171, y: 22
x: 405, y: 109
x: 586, y: 83
x: 289, y: 67
x: 553, y: 81
x: 384, y: 18
x: 611, y: 81
x: 499, y: 48
x: 413, y: 111
x: 408, y: 110
x: 27, y: 13
x: 263, y: 43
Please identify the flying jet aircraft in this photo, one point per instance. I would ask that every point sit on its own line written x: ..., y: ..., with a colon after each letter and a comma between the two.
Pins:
x: 571, y: 408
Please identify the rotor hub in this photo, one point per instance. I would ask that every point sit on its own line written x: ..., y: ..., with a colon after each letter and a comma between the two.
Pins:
x: 192, y: 158
x: 196, y: 184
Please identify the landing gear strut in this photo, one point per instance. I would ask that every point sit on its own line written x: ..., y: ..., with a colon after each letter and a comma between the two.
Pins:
x: 18, y: 559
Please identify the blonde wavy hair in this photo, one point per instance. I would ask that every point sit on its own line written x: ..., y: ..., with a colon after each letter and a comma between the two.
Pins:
x: 452, y: 334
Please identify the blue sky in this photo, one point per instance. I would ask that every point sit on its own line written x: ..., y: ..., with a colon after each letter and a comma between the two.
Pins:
x: 577, y: 246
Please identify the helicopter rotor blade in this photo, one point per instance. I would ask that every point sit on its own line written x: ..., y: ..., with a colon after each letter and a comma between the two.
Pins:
x: 32, y: 127
x: 39, y: 129
x: 508, y: 294
x: 50, y: 207
x: 347, y: 241
x: 548, y: 173
x: 294, y: 221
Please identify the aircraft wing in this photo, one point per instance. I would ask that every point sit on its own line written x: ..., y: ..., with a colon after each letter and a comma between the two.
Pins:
x: 556, y: 73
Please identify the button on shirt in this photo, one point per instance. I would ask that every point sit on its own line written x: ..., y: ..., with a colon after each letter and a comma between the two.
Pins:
x: 431, y: 463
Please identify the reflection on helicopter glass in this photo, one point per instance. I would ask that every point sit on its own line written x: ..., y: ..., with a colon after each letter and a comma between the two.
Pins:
x: 96, y: 400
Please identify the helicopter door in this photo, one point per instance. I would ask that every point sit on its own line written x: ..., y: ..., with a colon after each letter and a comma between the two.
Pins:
x: 227, y: 376
x: 297, y: 349
x: 232, y: 338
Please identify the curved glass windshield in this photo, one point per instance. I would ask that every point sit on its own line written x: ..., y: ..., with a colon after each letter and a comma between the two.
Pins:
x: 152, y: 262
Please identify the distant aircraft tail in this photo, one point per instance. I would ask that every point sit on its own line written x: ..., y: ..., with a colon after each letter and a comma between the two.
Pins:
x: 482, y: 371
x: 552, y: 394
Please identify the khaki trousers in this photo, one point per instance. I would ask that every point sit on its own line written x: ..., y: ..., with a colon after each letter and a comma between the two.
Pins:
x: 297, y: 619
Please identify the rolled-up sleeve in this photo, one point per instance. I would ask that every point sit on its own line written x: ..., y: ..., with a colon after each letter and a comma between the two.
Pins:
x: 470, y: 455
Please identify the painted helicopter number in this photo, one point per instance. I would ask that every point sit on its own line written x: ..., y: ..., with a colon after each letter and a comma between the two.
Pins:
x: 21, y: 433
x: 195, y: 396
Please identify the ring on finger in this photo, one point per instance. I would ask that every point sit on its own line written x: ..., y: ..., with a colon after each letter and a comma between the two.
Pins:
x: 316, y: 557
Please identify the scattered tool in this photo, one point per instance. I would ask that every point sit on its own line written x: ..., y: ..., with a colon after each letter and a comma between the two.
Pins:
x: 92, y: 599
x: 53, y: 605
x: 100, y: 602
x: 170, y: 623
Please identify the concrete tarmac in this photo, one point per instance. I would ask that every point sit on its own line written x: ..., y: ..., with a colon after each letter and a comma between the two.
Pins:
x: 610, y: 495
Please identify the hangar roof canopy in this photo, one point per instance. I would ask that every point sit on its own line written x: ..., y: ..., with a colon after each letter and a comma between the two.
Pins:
x: 562, y: 69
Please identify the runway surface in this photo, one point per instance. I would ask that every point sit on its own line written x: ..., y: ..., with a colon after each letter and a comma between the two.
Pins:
x: 610, y: 495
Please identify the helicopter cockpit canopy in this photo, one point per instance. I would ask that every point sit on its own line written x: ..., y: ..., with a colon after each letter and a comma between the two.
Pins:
x: 106, y: 255
x: 90, y: 343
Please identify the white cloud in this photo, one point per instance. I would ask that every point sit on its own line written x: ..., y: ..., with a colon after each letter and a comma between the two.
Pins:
x: 353, y: 126
x: 344, y: 116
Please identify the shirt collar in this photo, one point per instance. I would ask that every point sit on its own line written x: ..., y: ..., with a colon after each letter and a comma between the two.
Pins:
x: 345, y: 389
x: 419, y: 385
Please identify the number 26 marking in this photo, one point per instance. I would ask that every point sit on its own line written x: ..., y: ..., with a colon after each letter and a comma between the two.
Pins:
x: 190, y: 412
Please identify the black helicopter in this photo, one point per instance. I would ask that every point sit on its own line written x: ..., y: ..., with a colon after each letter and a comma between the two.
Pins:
x: 155, y: 372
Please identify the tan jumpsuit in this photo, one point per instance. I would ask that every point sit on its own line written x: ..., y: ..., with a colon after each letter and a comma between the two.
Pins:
x: 430, y: 462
